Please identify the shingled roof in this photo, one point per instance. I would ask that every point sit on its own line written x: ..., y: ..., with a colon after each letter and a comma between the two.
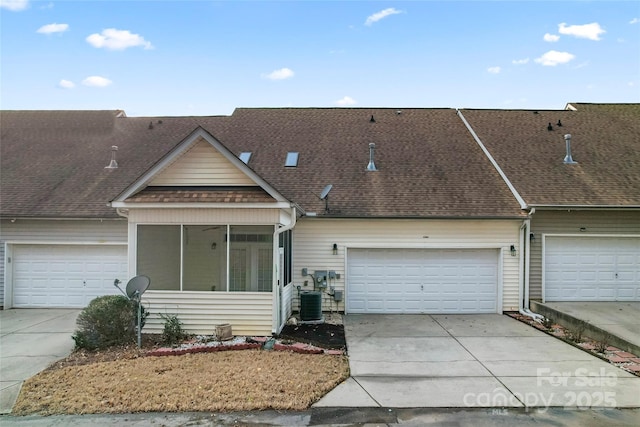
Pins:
x: 53, y: 162
x: 428, y: 164
x: 605, y: 142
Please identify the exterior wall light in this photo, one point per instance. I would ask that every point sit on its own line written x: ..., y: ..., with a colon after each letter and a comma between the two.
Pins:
x: 335, y: 249
x: 513, y: 250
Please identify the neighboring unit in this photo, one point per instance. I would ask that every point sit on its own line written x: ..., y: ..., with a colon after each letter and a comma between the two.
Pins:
x: 578, y: 174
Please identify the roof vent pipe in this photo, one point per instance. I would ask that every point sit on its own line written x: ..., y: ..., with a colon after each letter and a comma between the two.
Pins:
x: 113, y: 164
x: 371, y: 166
x: 568, y: 160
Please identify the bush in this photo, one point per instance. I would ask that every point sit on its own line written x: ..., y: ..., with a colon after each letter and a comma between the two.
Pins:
x: 173, y: 332
x: 107, y: 321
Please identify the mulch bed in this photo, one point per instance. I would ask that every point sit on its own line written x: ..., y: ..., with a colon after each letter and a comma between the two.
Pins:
x: 325, y: 335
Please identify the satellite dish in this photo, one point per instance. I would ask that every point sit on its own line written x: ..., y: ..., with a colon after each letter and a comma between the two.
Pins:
x: 136, y: 286
x: 325, y: 192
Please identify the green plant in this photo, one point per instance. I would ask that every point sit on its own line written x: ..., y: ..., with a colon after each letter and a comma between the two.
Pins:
x: 173, y: 331
x: 107, y: 321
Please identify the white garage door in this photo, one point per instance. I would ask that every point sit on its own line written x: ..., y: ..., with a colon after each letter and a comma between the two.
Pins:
x: 422, y: 281
x: 65, y: 275
x: 592, y: 269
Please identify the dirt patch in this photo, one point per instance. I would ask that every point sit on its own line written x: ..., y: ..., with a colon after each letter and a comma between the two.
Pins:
x: 325, y: 335
x: 223, y: 381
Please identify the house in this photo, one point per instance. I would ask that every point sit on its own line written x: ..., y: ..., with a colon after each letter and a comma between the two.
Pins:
x: 399, y: 211
x: 577, y: 174
x: 234, y: 217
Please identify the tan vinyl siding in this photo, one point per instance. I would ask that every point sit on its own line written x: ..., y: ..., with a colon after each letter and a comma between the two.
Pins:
x: 201, y: 165
x: 205, y: 216
x: 248, y: 313
x: 67, y: 231
x: 314, y: 238
x: 570, y: 222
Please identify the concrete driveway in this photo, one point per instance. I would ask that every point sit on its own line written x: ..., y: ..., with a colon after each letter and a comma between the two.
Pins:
x: 30, y: 340
x: 413, y: 361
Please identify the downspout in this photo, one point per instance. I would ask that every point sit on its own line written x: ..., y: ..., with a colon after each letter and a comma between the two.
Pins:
x: 276, y: 263
x: 524, y: 300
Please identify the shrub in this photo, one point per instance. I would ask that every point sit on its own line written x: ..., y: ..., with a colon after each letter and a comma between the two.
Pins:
x: 107, y: 321
x: 173, y: 332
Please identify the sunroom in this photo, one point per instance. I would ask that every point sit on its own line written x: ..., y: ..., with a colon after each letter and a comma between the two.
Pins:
x: 214, y: 239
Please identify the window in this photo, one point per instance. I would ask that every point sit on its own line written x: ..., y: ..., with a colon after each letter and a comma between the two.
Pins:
x: 245, y: 156
x: 292, y: 159
x: 285, y: 245
x: 198, y: 257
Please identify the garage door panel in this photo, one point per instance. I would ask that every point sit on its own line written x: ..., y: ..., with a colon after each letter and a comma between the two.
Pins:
x: 65, y: 275
x: 592, y: 268
x: 422, y: 281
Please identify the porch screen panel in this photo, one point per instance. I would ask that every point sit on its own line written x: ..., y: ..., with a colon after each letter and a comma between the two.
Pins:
x: 158, y: 255
x: 204, y: 258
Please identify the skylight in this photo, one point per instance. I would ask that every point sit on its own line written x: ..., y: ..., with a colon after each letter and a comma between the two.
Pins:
x: 292, y: 159
x: 245, y: 156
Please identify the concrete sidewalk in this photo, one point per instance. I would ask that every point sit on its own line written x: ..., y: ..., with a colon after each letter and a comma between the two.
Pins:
x: 618, y: 322
x: 30, y: 340
x: 403, y: 361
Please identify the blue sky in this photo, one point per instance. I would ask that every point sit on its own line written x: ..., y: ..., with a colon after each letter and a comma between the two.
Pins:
x: 208, y: 57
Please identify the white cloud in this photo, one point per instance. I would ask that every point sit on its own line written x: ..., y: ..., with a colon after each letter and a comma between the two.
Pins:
x: 347, y: 100
x: 113, y: 39
x: 634, y: 21
x: 53, y: 28
x: 14, y: 5
x: 381, y: 15
x: 587, y: 31
x: 96, y: 81
x: 553, y: 58
x: 494, y: 70
x: 281, y: 74
x: 551, y: 38
x: 520, y: 61
x: 66, y: 84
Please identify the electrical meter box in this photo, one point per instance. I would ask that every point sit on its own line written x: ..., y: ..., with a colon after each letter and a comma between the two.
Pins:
x: 320, y: 277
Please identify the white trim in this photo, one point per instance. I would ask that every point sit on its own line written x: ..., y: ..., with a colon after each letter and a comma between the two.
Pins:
x: 422, y: 246
x: 180, y: 149
x: 585, y: 207
x: 65, y: 242
x: 542, y: 265
x: 544, y: 248
x: 590, y: 235
x: 523, y: 204
x: 197, y: 205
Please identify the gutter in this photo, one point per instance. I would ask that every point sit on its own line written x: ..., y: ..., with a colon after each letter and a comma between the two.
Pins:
x: 523, y: 204
x: 585, y: 207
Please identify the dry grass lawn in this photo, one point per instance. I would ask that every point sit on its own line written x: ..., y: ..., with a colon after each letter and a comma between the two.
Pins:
x: 221, y: 381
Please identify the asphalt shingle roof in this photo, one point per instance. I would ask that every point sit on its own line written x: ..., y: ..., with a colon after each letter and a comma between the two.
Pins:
x: 428, y: 164
x: 605, y: 141
x: 53, y: 162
